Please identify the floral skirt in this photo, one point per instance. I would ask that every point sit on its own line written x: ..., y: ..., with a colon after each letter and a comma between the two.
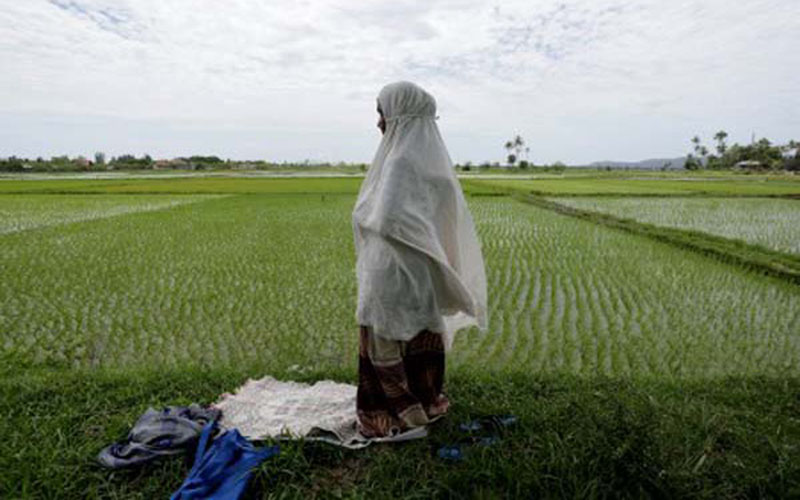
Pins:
x: 399, y: 383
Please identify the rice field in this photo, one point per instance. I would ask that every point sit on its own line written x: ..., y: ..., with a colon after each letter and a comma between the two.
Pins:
x: 669, y: 186
x: 269, y: 280
x: 183, y: 185
x: 771, y: 223
x: 223, y: 281
x: 637, y: 368
x: 568, y: 295
x: 18, y: 213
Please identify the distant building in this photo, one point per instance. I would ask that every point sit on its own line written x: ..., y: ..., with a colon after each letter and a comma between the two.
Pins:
x: 748, y: 164
x: 182, y: 163
x: 174, y: 163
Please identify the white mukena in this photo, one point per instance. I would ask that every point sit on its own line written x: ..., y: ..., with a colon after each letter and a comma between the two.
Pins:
x: 419, y: 261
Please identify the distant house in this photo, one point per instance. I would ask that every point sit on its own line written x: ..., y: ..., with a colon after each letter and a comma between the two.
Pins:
x: 83, y: 162
x: 748, y: 164
x: 791, y: 160
x: 175, y: 163
x: 182, y: 163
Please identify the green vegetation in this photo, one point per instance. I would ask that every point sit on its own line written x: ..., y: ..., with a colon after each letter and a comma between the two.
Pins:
x: 759, y: 155
x: 578, y: 437
x: 771, y: 223
x: 515, y: 147
x: 570, y: 295
x: 130, y: 162
x: 732, y: 251
x: 226, y: 280
x: 637, y: 368
x: 616, y: 186
x: 20, y: 212
x: 188, y: 185
x: 270, y: 278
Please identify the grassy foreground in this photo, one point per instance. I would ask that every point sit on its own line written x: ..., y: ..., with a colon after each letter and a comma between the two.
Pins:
x: 577, y: 437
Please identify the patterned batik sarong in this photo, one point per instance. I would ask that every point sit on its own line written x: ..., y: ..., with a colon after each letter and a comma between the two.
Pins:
x: 399, y: 383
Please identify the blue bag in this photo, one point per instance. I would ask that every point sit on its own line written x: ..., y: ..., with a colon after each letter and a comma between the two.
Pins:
x: 221, y: 471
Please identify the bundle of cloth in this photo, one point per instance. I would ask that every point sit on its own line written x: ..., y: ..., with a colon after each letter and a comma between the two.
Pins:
x: 224, y: 460
x: 171, y: 430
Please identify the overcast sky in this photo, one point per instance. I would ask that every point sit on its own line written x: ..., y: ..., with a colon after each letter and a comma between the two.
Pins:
x: 293, y: 80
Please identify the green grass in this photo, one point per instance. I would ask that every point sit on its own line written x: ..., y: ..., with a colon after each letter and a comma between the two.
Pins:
x: 576, y: 438
x: 636, y: 368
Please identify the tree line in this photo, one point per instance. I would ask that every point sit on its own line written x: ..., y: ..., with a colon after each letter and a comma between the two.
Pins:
x: 517, y: 156
x: 758, y: 155
x: 64, y: 163
x: 100, y: 163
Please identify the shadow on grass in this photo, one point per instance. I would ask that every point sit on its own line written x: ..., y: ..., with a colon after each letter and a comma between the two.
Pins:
x: 576, y: 437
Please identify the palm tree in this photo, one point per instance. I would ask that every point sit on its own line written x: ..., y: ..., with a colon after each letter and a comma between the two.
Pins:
x: 720, y: 138
x: 517, y: 145
x: 509, y: 145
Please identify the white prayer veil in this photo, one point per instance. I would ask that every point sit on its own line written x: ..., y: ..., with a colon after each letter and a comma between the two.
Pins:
x: 419, y: 262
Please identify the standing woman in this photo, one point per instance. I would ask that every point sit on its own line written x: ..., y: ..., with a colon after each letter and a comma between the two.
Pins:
x: 419, y: 267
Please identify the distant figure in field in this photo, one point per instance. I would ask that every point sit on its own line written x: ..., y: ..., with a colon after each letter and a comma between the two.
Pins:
x: 419, y: 267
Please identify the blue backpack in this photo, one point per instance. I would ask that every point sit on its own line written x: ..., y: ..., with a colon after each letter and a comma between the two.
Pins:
x: 221, y: 471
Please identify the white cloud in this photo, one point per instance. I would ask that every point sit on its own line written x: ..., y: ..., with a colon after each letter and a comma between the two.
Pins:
x: 581, y: 80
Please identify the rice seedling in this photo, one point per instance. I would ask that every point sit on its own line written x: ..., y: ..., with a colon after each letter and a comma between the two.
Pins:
x: 771, y: 223
x: 269, y: 280
x: 183, y: 185
x: 21, y: 212
x: 568, y: 295
x: 610, y: 185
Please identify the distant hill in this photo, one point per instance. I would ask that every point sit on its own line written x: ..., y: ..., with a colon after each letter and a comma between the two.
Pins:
x: 653, y: 163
